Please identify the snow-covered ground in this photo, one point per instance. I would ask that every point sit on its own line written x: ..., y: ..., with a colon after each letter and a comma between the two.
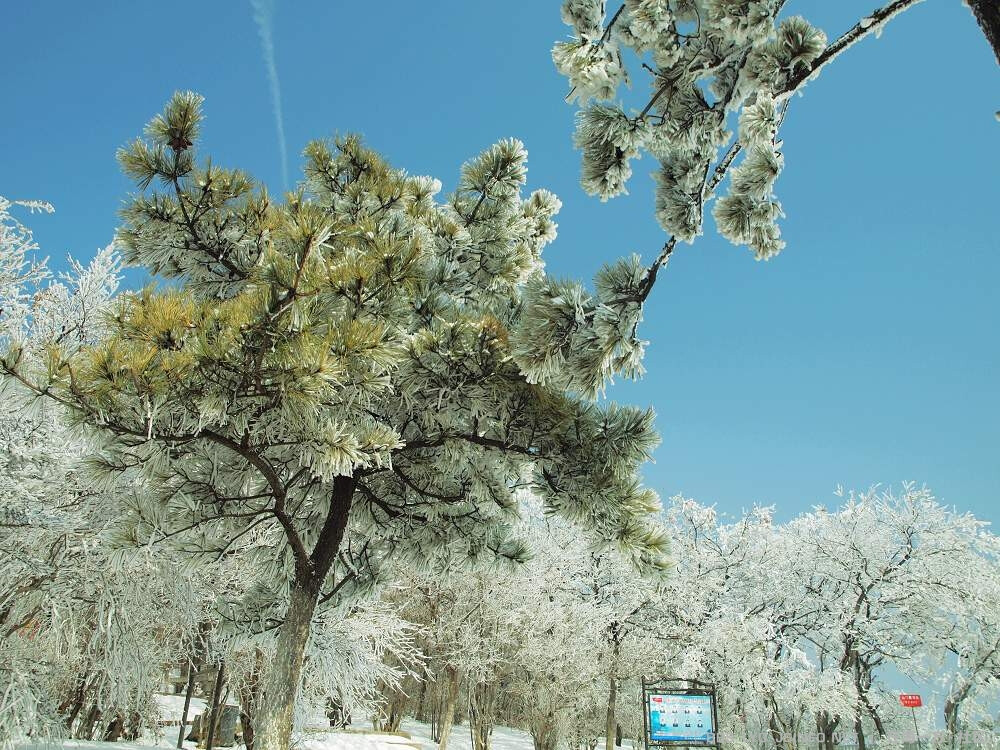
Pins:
x: 419, y: 738
x: 171, y: 706
x: 67, y: 744
x: 413, y: 735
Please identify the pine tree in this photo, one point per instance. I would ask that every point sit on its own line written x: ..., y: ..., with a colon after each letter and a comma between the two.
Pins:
x: 340, y: 375
x: 721, y: 75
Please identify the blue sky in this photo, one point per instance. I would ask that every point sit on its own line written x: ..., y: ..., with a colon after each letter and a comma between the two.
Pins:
x: 867, y: 352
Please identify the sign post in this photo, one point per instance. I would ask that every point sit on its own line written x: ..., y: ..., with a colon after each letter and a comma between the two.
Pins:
x: 679, y: 712
x: 912, y: 701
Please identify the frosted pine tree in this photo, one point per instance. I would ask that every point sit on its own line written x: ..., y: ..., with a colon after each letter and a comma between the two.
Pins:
x: 340, y: 365
x: 721, y: 75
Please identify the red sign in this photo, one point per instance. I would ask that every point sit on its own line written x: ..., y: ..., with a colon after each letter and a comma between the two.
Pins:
x: 910, y: 700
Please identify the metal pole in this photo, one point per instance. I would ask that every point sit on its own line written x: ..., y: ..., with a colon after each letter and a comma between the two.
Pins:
x: 645, y: 716
x: 916, y: 729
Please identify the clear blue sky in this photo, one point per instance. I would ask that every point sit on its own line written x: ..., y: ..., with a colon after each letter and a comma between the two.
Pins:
x: 867, y: 352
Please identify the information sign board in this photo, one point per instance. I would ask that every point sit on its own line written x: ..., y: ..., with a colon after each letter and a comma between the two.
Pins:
x: 679, y: 712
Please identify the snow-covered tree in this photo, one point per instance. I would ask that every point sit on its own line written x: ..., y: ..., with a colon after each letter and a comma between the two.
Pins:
x: 888, y: 567
x: 543, y: 645
x: 721, y: 76
x: 340, y: 363
x: 84, y: 624
x: 796, y: 623
x: 627, y: 613
x: 766, y: 612
x: 970, y: 669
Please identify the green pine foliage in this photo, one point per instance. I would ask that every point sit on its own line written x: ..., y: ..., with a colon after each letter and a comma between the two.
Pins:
x: 360, y: 328
x: 351, y: 373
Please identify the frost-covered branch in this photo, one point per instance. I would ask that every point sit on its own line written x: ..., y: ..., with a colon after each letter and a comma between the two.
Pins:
x: 873, y: 23
x: 708, y: 60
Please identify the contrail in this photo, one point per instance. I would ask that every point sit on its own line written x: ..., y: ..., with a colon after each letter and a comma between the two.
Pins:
x: 263, y: 13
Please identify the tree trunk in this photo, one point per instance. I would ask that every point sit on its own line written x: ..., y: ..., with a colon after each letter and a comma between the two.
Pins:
x: 775, y: 725
x: 86, y: 729
x: 448, y: 702
x: 827, y: 728
x: 544, y: 732
x: 609, y: 723
x: 438, y: 691
x: 859, y: 733
x: 395, y: 709
x: 277, y: 705
x: 340, y: 717
x: 951, y: 708
x: 421, y: 712
x: 249, y: 694
x: 225, y: 727
x: 987, y: 13
x: 187, y: 704
x: 114, y: 731
x: 132, y: 727
x: 213, y: 718
x: 75, y: 704
x: 482, y: 699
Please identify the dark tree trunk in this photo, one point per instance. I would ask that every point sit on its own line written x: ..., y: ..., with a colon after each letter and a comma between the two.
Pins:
x: 277, y: 704
x: 952, y: 705
x: 187, y: 704
x: 114, y: 731
x: 397, y: 700
x: 859, y: 733
x: 339, y: 716
x: 75, y: 703
x: 482, y: 715
x: 609, y: 721
x: 249, y: 695
x: 397, y: 708
x: 543, y: 733
x: 827, y: 726
x: 448, y: 703
x: 133, y: 726
x: 421, y: 712
x: 86, y: 728
x: 435, y: 718
x: 987, y: 13
x: 213, y: 720
x: 775, y: 725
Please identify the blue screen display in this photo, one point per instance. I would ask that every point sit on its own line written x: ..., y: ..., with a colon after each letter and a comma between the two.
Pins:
x: 679, y: 718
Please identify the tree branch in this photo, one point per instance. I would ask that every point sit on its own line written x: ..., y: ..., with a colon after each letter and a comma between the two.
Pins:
x: 867, y: 25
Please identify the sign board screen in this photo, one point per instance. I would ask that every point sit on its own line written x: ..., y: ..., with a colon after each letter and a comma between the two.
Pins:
x: 680, y: 718
x: 910, y: 700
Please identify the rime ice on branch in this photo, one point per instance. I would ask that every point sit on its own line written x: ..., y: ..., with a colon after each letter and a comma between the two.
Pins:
x: 721, y: 73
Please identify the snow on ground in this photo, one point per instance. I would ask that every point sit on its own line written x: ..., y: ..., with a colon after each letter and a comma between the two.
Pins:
x: 172, y: 706
x: 503, y: 737
x: 356, y: 741
x: 420, y: 739
x: 72, y: 744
